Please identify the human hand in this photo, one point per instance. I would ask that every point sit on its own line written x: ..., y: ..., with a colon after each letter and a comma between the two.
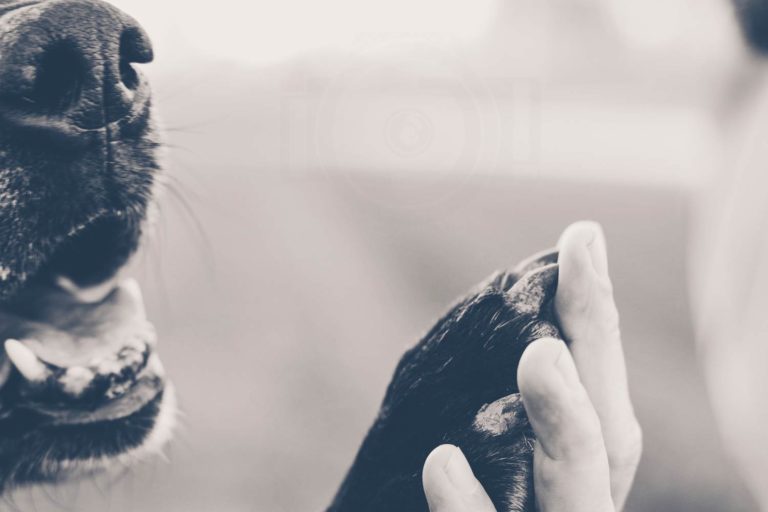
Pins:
x: 577, y: 400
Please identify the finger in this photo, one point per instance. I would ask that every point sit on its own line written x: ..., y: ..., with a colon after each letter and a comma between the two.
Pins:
x: 450, y: 485
x: 590, y: 321
x: 571, y: 472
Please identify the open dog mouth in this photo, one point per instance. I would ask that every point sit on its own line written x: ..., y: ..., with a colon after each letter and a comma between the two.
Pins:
x: 79, y: 349
x: 92, y: 252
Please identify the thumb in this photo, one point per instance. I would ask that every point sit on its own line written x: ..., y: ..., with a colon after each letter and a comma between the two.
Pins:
x: 450, y: 485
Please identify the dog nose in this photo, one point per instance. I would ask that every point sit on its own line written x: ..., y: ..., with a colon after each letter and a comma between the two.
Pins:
x: 69, y: 64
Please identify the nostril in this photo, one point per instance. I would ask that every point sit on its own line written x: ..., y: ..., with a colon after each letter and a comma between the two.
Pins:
x: 134, y: 48
x: 128, y: 75
x: 58, y: 78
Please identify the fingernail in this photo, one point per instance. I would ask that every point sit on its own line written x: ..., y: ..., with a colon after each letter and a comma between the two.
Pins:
x: 459, y: 473
x: 566, y: 368
x: 596, y: 248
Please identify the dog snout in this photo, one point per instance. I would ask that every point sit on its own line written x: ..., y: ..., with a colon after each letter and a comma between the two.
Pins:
x: 68, y: 65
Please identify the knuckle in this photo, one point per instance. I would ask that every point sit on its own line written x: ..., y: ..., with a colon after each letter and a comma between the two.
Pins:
x: 607, y: 316
x: 604, y: 286
x: 627, y: 456
x: 611, y: 322
x: 605, y: 296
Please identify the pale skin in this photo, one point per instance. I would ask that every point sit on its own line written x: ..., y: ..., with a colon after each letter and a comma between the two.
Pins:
x: 576, y: 396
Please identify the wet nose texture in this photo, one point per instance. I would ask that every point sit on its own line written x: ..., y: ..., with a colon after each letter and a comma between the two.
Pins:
x: 70, y: 63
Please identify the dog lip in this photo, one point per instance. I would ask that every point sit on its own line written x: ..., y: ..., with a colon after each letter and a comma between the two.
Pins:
x: 144, y: 391
x: 16, y: 282
x: 93, y: 252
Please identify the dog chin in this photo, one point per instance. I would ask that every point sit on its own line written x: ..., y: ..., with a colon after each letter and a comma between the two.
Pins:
x: 151, y: 447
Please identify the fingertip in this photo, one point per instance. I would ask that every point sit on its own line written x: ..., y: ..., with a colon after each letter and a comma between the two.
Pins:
x: 450, y: 484
x: 584, y: 242
x: 437, y: 486
x: 439, y: 457
x: 585, y: 230
x: 575, y: 273
x: 544, y: 369
x: 449, y: 461
x: 538, y: 353
x: 583, y: 279
x: 544, y: 387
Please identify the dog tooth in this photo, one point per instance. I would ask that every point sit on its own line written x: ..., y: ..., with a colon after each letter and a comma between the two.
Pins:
x: 28, y: 364
x: 107, y: 366
x: 76, y: 380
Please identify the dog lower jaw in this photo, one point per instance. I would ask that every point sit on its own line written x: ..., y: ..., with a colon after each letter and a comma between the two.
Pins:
x: 152, y: 446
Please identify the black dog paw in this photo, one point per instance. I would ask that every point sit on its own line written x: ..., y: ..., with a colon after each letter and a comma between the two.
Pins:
x: 458, y: 385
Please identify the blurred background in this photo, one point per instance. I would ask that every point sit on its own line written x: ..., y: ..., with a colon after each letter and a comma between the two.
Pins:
x: 340, y: 171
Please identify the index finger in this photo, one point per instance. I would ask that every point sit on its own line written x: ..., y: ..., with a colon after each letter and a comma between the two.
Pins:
x: 589, y: 319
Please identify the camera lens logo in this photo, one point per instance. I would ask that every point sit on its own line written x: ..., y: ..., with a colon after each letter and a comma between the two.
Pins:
x: 404, y: 110
x: 409, y: 133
